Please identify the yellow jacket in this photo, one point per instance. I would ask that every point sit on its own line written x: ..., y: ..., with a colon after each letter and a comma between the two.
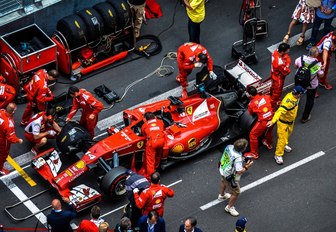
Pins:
x: 197, y: 13
x: 287, y: 110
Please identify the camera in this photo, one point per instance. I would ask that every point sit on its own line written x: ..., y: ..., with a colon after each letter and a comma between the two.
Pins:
x: 231, y: 180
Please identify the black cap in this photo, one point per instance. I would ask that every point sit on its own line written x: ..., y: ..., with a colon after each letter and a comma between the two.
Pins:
x: 72, y: 90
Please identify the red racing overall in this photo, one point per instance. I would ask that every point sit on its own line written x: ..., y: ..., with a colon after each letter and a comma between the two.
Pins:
x: 262, y: 107
x: 186, y: 56
x: 38, y: 94
x: 153, y: 130
x: 280, y: 69
x: 153, y: 198
x: 90, y: 105
x: 7, y: 136
x: 7, y: 95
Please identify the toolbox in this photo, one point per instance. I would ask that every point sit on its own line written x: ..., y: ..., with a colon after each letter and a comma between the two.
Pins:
x: 29, y: 47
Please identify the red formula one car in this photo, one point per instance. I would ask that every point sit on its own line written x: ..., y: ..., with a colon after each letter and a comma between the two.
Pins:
x: 192, y: 125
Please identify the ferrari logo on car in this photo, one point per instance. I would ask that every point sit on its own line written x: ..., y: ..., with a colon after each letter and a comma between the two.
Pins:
x: 80, y: 164
x: 190, y: 110
x: 140, y: 144
x: 178, y: 148
x: 192, y: 143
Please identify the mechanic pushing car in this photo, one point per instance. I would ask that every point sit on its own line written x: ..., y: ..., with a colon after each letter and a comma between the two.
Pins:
x: 153, y: 130
x: 262, y: 107
x: 40, y: 128
x: 91, y: 107
x: 190, y: 56
x: 7, y: 93
x: 279, y: 70
x: 38, y: 93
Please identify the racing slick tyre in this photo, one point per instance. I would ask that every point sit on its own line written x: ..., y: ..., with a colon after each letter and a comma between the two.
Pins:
x: 93, y: 22
x: 123, y: 12
x: 113, y: 183
x: 73, y: 138
x: 108, y: 15
x: 246, y: 122
x: 74, y: 30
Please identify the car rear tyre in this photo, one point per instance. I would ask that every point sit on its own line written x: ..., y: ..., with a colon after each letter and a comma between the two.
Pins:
x: 246, y: 122
x: 113, y: 183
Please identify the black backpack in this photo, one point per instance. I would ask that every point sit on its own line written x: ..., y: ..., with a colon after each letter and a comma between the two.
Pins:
x: 302, y: 76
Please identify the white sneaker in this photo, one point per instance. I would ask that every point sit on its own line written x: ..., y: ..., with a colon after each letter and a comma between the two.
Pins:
x: 224, y: 197
x: 231, y: 211
x: 278, y: 159
x: 288, y: 148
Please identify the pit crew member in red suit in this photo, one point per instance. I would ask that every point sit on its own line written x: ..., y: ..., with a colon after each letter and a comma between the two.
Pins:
x: 153, y: 130
x: 7, y: 93
x: 38, y: 93
x: 40, y: 128
x: 262, y: 107
x: 279, y: 70
x: 7, y: 134
x: 153, y: 197
x: 326, y: 47
x: 90, y: 106
x: 190, y: 56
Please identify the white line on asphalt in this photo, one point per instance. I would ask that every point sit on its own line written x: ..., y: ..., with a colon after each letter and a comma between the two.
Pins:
x: 292, y: 40
x: 123, y: 206
x: 21, y: 196
x: 269, y: 177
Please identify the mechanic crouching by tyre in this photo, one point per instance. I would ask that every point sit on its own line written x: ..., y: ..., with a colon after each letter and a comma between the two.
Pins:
x: 38, y: 93
x: 153, y: 197
x: 231, y: 168
x: 40, y: 128
x: 153, y: 130
x: 190, y: 56
x: 134, y: 180
x: 91, y: 107
x: 262, y: 107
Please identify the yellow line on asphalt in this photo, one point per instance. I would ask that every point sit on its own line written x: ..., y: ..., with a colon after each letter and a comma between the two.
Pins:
x: 18, y: 168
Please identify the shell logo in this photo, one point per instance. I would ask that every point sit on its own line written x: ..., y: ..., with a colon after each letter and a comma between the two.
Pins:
x: 157, y: 201
x: 77, y: 24
x: 153, y: 124
x: 190, y: 110
x: 265, y: 109
x: 192, y: 143
x: 178, y: 148
x: 80, y: 164
x: 140, y: 144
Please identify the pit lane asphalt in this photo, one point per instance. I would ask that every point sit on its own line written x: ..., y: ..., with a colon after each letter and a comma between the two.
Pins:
x: 300, y: 200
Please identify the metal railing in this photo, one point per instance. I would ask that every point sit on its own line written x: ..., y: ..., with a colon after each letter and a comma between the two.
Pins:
x: 9, y: 6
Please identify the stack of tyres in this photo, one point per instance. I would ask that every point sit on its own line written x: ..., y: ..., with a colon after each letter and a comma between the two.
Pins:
x: 109, y: 17
x: 93, y: 22
x: 124, y: 12
x: 74, y: 30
